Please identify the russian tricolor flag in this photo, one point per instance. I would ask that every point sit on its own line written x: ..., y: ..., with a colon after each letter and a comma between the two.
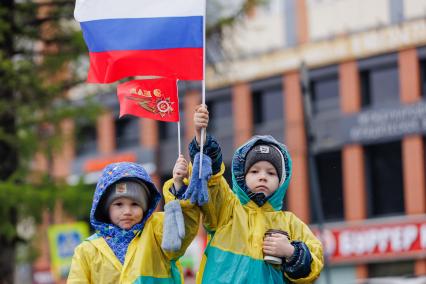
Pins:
x: 142, y: 38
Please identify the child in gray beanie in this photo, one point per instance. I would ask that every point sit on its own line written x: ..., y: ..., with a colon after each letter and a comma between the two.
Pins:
x: 126, y: 245
x: 134, y: 190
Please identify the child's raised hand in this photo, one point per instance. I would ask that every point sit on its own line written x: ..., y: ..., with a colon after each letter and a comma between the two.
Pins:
x: 277, y: 245
x: 201, y: 120
x: 180, y: 171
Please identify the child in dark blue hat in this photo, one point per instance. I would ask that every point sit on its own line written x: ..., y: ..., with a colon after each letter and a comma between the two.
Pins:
x: 251, y: 239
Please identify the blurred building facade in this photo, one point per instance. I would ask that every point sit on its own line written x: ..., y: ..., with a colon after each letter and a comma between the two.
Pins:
x: 366, y: 64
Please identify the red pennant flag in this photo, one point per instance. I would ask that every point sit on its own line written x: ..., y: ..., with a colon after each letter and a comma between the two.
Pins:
x: 153, y: 98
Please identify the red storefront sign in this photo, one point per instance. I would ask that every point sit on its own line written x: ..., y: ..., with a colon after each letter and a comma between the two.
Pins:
x: 97, y: 164
x: 371, y: 242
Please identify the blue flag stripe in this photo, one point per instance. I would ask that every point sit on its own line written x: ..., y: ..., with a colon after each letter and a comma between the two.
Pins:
x: 143, y: 33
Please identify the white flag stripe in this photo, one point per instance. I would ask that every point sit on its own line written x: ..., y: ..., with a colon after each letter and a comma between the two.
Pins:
x: 89, y: 10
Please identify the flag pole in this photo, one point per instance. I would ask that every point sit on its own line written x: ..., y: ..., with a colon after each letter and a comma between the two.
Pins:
x: 203, y: 85
x: 178, y: 122
x: 179, y: 141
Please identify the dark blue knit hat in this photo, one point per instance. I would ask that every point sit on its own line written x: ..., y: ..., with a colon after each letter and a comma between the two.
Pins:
x: 269, y: 153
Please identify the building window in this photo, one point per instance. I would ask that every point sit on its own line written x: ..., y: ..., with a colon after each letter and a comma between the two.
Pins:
x: 325, y: 94
x: 267, y: 105
x: 380, y: 86
x: 329, y: 169
x: 391, y: 269
x: 168, y: 130
x: 220, y: 112
x: 423, y: 77
x: 85, y: 137
x: 127, y: 132
x: 365, y: 88
x: 384, y: 179
x: 424, y: 153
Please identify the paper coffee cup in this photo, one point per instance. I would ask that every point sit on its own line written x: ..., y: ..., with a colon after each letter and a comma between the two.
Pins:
x: 274, y: 259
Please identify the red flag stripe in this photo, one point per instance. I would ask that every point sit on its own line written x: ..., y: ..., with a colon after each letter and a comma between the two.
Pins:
x: 180, y: 63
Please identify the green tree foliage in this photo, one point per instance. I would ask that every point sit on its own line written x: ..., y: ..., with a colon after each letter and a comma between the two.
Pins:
x: 39, y: 45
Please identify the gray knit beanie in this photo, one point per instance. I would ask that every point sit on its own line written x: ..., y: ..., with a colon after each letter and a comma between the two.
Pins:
x: 269, y: 153
x: 136, y: 191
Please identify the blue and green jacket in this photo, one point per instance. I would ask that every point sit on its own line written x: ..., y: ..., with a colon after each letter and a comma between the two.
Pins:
x: 236, y: 226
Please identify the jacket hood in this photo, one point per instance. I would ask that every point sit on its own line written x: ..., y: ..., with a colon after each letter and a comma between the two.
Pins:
x: 238, y: 176
x: 119, y: 171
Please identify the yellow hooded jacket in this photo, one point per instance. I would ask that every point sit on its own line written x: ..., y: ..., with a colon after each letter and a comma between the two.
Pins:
x: 145, y: 262
x: 237, y: 225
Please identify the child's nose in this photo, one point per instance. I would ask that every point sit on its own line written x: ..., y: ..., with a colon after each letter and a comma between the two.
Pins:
x: 262, y: 176
x: 126, y: 210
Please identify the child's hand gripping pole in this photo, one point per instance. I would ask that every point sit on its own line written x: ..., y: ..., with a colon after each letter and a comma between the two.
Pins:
x: 200, y: 168
x: 197, y: 189
x: 201, y: 121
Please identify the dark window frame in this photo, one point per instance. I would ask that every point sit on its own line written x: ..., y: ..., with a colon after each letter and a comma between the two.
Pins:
x: 421, y: 56
x: 124, y: 137
x: 401, y: 268
x: 366, y: 69
x: 324, y: 75
x: 82, y: 146
x: 377, y: 187
x: 167, y: 130
x: 218, y: 121
x: 260, y: 89
x: 422, y: 74
x: 329, y: 187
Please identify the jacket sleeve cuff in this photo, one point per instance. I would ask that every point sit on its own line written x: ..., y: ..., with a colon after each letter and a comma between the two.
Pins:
x: 299, y: 264
x: 178, y: 193
x: 211, y: 148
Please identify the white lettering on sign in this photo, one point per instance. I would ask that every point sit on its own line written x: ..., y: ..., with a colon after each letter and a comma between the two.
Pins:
x: 423, y: 236
x: 385, y: 123
x: 382, y: 239
x: 410, y: 234
x: 345, y: 243
x: 395, y: 239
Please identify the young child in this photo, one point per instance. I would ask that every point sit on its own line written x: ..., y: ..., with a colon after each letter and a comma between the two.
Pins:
x: 238, y: 218
x: 126, y: 247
